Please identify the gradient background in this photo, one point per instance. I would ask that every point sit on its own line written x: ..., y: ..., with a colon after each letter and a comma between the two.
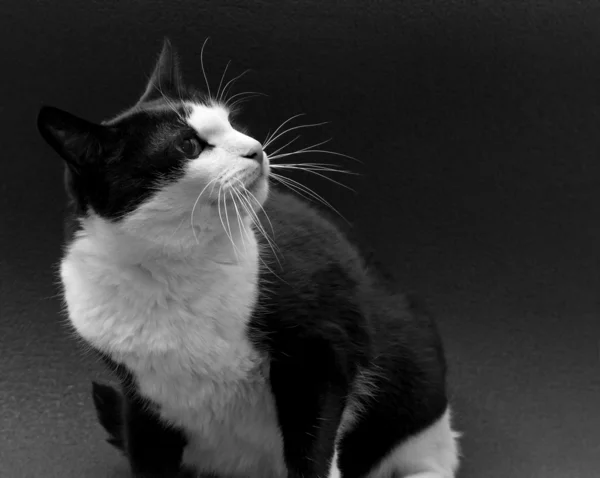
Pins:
x: 477, y: 122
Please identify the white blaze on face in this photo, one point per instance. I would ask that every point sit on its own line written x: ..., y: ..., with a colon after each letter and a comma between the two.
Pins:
x: 226, y: 157
x: 217, y: 176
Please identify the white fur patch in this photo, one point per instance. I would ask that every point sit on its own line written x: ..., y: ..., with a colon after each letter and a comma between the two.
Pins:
x: 180, y: 326
x: 334, y: 471
x: 433, y: 453
x: 209, y: 187
x: 225, y: 158
x: 169, y: 294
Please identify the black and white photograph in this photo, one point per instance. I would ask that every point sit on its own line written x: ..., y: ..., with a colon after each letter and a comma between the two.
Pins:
x: 300, y: 239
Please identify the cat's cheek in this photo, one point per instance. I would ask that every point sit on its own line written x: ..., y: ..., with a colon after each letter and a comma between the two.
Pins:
x: 205, y: 168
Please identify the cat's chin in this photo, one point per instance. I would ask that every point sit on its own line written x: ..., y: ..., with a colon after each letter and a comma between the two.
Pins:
x: 257, y: 189
x: 260, y: 188
x: 255, y: 183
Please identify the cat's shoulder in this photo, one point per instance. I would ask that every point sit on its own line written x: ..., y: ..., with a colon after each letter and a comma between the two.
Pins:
x: 289, y: 209
x: 305, y: 237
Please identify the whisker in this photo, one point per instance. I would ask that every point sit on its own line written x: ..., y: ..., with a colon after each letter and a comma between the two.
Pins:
x: 243, y: 192
x: 274, y: 248
x: 227, y: 218
x: 307, y: 148
x: 177, y: 228
x: 218, y: 97
x: 231, y: 82
x: 239, y: 219
x: 181, y: 101
x: 284, y: 146
x: 316, y: 166
x: 250, y: 195
x: 240, y: 101
x: 268, y: 134
x: 194, y: 208
x: 315, y: 172
x: 256, y: 221
x: 255, y: 93
x: 260, y: 226
x: 292, y: 187
x: 267, y: 266
x: 168, y: 100
x: 170, y: 104
x: 315, y: 151
x: 202, y: 65
x: 295, y: 128
x: 221, y: 217
x: 299, y: 187
x: 267, y: 140
x: 248, y: 211
x: 242, y: 195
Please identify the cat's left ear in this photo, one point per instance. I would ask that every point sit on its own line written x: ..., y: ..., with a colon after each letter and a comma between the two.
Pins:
x: 78, y: 141
x: 166, y: 79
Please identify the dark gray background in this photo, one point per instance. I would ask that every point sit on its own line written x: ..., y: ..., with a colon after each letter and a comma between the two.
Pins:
x: 477, y: 122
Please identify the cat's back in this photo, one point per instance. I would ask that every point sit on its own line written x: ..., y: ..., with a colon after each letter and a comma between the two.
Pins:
x: 317, y: 261
x: 303, y: 241
x: 327, y: 290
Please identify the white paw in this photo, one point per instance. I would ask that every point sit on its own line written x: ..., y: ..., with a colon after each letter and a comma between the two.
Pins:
x: 334, y: 471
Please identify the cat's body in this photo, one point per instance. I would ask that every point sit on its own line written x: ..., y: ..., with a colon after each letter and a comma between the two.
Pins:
x: 244, y: 355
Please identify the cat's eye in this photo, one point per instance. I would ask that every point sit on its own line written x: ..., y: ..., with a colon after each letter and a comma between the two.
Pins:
x: 191, y: 147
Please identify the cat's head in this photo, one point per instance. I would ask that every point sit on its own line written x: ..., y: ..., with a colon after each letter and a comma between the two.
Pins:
x: 172, y: 162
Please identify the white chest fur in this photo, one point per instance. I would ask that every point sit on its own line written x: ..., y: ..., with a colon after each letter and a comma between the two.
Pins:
x: 180, y: 327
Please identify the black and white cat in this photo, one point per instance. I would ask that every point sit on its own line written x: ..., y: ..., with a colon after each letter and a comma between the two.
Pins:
x: 250, y: 336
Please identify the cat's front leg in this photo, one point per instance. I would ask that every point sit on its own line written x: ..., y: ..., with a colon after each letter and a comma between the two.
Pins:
x: 310, y: 390
x: 154, y: 448
x: 334, y: 471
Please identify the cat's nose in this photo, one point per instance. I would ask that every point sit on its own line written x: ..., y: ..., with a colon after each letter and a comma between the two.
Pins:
x: 255, y: 153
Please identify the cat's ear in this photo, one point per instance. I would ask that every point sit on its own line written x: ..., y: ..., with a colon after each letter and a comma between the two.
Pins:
x: 166, y: 79
x: 77, y: 141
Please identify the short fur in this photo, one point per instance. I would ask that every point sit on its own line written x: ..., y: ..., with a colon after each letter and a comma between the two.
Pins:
x: 250, y: 336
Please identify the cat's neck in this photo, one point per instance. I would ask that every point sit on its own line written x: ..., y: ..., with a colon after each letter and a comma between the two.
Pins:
x: 234, y: 246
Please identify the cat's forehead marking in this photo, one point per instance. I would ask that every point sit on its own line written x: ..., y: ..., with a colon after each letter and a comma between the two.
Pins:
x: 209, y: 121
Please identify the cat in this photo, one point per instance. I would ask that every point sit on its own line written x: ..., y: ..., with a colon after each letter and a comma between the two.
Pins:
x: 250, y: 335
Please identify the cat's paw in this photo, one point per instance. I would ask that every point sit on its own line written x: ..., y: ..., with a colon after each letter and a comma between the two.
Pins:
x: 334, y: 471
x: 108, y: 403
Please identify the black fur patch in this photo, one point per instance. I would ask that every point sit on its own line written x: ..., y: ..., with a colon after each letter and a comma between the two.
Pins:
x: 118, y: 166
x: 323, y: 319
x: 152, y: 447
x: 109, y: 405
x: 114, y: 166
